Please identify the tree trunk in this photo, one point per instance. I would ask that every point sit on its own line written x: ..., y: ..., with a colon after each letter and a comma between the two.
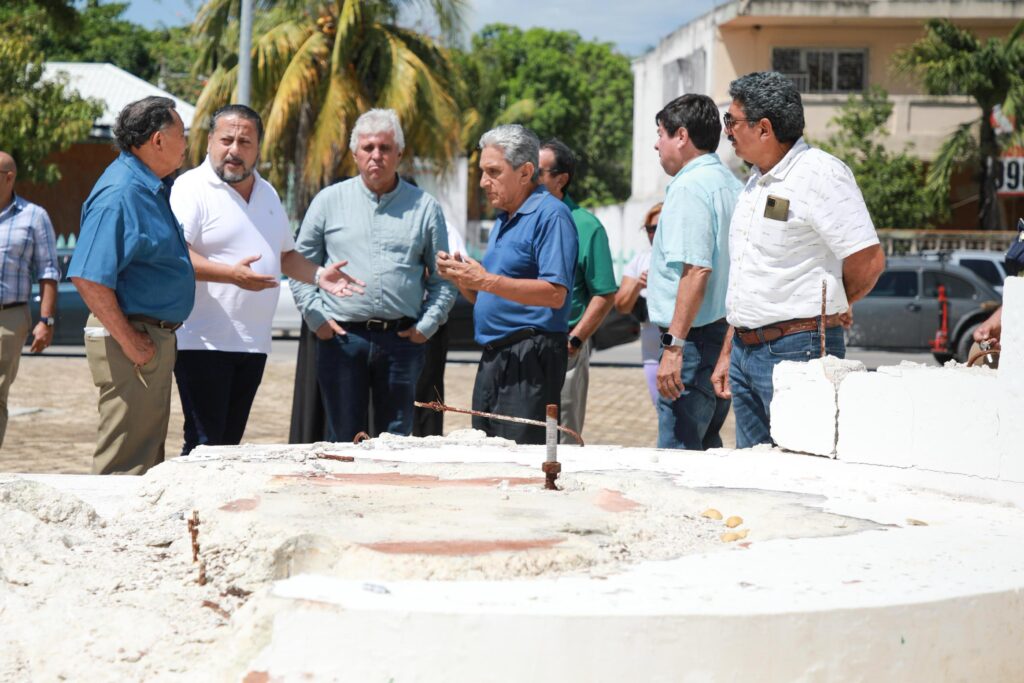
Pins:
x: 989, y: 210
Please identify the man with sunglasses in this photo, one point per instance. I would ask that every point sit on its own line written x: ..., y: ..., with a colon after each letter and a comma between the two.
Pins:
x: 800, y: 222
x: 689, y: 272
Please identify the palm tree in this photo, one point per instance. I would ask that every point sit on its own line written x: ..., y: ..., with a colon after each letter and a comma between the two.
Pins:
x: 952, y: 61
x: 316, y: 67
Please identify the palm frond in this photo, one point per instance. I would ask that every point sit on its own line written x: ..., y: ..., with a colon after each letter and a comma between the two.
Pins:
x: 328, y: 141
x: 218, y: 92
x: 300, y: 83
x: 959, y: 149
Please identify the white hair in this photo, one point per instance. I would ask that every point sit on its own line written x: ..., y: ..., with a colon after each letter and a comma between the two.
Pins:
x: 377, y: 121
x: 518, y: 145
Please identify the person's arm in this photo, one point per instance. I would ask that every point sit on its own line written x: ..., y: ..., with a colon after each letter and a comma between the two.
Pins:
x: 471, y: 275
x: 439, y: 295
x: 991, y: 330
x: 42, y: 334
x: 861, y: 271
x: 102, y: 301
x: 629, y: 292
x: 310, y: 244
x: 239, y: 274
x: 720, y: 375
x: 689, y: 297
x: 333, y: 279
x: 593, y: 315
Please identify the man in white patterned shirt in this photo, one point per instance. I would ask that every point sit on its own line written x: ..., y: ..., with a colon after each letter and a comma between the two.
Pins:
x: 800, y: 221
x: 26, y: 245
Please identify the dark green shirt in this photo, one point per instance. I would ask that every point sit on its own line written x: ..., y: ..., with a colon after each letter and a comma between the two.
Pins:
x: 595, y: 274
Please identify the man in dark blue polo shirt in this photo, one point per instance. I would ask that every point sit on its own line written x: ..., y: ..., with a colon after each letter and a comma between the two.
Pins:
x: 132, y: 268
x: 521, y: 290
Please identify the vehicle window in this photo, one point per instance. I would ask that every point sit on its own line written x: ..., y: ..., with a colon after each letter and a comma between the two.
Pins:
x: 956, y: 288
x: 895, y: 283
x: 984, y: 269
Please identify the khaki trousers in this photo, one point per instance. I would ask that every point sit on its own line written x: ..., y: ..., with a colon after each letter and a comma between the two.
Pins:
x: 14, y: 326
x: 574, y: 392
x: 133, y: 416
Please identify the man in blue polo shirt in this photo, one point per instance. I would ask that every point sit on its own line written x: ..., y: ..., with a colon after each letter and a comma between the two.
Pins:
x: 132, y: 268
x: 521, y: 290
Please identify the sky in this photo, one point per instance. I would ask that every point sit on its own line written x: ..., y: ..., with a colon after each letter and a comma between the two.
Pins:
x: 633, y: 26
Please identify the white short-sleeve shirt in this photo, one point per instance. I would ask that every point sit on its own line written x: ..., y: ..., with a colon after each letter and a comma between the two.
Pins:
x: 777, y: 266
x: 223, y: 227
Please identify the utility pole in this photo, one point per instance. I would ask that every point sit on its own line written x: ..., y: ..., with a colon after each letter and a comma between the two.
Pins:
x: 245, y: 53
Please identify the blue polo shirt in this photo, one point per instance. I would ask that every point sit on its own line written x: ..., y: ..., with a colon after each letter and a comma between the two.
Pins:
x: 537, y: 242
x: 131, y: 242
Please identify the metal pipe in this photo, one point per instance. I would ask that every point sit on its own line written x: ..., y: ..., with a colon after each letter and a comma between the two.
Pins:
x: 245, y: 54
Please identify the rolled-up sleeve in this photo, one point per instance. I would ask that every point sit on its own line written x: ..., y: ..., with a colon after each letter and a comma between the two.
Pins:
x: 45, y: 247
x: 440, y: 294
x: 310, y: 243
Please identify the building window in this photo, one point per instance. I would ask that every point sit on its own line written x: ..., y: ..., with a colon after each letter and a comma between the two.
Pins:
x: 816, y: 70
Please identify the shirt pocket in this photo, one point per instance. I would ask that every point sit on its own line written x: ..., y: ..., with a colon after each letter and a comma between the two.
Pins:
x: 402, y: 247
x: 518, y: 260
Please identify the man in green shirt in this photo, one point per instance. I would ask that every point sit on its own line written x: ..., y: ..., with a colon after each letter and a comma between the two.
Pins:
x: 594, y: 287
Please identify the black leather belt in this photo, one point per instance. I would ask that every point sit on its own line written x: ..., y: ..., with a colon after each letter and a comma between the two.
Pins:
x: 4, y: 307
x: 714, y: 330
x: 375, y: 325
x: 156, y: 322
x: 511, y: 339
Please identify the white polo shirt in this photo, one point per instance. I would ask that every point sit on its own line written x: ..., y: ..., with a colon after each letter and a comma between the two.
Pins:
x: 776, y: 266
x: 223, y: 227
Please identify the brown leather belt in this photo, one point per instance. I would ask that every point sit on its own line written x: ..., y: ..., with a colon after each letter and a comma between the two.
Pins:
x: 768, y: 333
x: 156, y: 322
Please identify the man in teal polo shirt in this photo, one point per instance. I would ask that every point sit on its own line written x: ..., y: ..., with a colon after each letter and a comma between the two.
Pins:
x: 594, y: 286
x: 132, y: 268
x: 689, y: 272
x: 521, y: 290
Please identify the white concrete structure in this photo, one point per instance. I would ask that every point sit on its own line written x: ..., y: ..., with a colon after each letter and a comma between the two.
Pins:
x: 952, y: 419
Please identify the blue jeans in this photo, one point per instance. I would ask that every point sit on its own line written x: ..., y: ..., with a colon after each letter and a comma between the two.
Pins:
x: 353, y: 367
x: 693, y: 420
x: 750, y: 377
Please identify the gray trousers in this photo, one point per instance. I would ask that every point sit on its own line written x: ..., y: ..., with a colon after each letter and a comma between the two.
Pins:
x: 574, y: 392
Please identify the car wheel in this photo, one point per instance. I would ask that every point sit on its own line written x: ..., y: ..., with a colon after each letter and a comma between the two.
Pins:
x: 963, y: 346
x: 942, y: 358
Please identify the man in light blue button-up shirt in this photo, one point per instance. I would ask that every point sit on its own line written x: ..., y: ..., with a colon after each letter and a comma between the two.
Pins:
x: 390, y: 232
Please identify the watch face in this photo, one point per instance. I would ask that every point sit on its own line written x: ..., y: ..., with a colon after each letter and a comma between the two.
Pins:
x: 575, y: 342
x: 666, y: 339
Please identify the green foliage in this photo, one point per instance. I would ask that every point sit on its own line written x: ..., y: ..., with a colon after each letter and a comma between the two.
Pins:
x: 892, y: 182
x: 558, y: 85
x: 37, y: 117
x: 952, y: 61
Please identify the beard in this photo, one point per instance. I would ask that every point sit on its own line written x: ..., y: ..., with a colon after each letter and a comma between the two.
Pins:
x: 237, y: 176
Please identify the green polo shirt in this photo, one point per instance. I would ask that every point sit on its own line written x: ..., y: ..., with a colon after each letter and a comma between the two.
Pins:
x: 595, y: 274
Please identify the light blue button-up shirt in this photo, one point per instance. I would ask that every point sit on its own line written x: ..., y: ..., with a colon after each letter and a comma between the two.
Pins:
x: 390, y: 243
x: 693, y: 228
x: 26, y: 245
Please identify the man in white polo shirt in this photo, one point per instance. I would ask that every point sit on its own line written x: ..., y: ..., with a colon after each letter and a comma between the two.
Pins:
x: 240, y: 242
x: 800, y: 221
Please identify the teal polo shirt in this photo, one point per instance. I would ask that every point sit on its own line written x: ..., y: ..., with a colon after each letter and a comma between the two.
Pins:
x: 595, y: 272
x: 693, y: 228
x: 537, y: 242
x: 131, y: 242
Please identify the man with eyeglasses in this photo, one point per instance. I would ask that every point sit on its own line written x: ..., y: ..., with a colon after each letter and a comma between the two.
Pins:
x: 800, y: 221
x: 26, y: 248
x: 689, y: 272
x: 593, y: 291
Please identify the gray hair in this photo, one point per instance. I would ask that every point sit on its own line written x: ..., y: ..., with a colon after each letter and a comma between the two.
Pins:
x: 377, y: 121
x: 770, y: 95
x: 140, y: 119
x: 518, y: 145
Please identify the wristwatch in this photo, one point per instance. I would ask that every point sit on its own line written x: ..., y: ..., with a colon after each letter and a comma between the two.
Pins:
x: 316, y: 276
x: 668, y: 340
x: 47, y: 320
x: 575, y: 342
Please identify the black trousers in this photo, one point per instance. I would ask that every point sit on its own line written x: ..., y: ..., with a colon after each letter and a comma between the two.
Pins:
x: 216, y: 390
x: 520, y: 380
x: 430, y: 387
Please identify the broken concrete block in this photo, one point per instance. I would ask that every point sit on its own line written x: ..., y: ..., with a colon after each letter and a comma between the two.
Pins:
x: 943, y: 419
x: 804, y: 403
x: 875, y: 418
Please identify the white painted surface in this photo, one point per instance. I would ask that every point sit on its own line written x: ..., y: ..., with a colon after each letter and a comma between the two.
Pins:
x: 805, y: 403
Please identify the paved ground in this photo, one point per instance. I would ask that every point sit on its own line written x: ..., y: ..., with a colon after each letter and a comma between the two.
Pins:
x: 53, y: 406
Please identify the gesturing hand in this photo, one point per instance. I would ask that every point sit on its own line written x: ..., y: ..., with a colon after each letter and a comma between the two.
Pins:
x: 242, y: 275
x: 465, y: 272
x: 334, y: 280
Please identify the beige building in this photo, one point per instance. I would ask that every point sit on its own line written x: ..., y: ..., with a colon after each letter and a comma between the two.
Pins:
x: 830, y: 48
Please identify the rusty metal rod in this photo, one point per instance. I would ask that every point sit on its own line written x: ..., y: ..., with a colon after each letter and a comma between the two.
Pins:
x: 821, y: 321
x: 441, y: 407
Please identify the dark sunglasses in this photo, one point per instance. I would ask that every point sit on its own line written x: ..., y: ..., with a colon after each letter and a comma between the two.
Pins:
x: 729, y: 122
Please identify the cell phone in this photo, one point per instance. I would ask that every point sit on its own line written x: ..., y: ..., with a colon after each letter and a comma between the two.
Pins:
x: 776, y: 208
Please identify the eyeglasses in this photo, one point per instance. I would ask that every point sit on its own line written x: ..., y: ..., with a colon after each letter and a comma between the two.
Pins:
x: 729, y: 122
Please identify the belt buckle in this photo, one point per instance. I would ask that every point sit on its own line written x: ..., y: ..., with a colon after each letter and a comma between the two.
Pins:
x: 376, y: 325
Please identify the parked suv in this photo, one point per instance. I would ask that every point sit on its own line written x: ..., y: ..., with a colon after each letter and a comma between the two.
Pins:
x: 71, y: 310
x: 902, y: 311
x: 988, y: 265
